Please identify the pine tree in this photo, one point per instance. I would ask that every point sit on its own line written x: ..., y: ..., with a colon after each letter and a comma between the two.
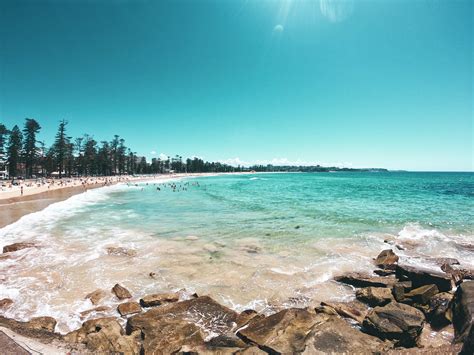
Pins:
x: 30, y: 152
x: 14, y: 150
x: 60, y: 147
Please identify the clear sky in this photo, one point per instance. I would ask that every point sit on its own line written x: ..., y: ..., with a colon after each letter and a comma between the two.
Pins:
x: 380, y: 83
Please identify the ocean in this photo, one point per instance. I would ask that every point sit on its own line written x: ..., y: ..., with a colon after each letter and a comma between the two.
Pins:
x: 262, y: 241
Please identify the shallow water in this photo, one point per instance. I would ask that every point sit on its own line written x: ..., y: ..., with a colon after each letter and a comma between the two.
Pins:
x: 262, y: 241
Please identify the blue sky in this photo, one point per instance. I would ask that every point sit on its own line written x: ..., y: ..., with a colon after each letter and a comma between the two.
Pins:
x: 381, y: 83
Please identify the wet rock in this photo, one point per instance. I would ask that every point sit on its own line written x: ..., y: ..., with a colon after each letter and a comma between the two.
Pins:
x: 158, y: 299
x: 440, y: 313
x: 5, y: 303
x: 44, y: 323
x: 211, y: 316
x: 457, y: 275
x: 399, y: 289
x: 422, y: 295
x: 387, y: 259
x: 100, y: 309
x: 420, y: 276
x: 463, y: 313
x: 336, y: 336
x: 448, y: 261
x: 381, y: 272
x: 17, y: 246
x: 245, y: 316
x: 284, y: 332
x: 105, y: 335
x: 129, y: 308
x: 354, y: 309
x: 121, y: 292
x: 395, y: 321
x: 39, y: 328
x: 96, y: 296
x: 121, y: 251
x: 375, y: 296
x: 363, y: 280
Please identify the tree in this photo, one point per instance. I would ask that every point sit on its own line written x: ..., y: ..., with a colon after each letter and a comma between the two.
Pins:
x: 3, y: 134
x: 60, y: 147
x: 30, y: 152
x: 14, y: 150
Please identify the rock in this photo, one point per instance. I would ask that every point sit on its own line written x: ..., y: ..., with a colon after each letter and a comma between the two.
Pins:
x: 387, y: 259
x: 375, y: 296
x: 284, y: 332
x: 17, y: 246
x: 463, y: 313
x: 129, y: 308
x: 226, y: 341
x: 41, y: 328
x: 121, y: 251
x: 158, y: 299
x: 448, y: 261
x: 381, y: 272
x: 96, y: 296
x: 422, y: 276
x: 5, y: 303
x: 363, y: 280
x: 422, y: 295
x: 395, y: 321
x: 354, y: 309
x: 245, y: 316
x: 336, y: 336
x: 399, y: 289
x: 211, y: 316
x: 440, y: 313
x: 121, y: 292
x: 451, y: 349
x: 45, y: 323
x: 105, y: 335
x: 457, y: 275
x: 99, y: 309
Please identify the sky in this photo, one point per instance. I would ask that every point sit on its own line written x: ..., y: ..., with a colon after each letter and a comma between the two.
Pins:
x: 356, y: 83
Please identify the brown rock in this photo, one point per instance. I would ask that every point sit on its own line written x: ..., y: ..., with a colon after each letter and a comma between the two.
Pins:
x: 99, y: 309
x: 354, y: 309
x: 284, y: 332
x: 422, y: 295
x: 463, y: 314
x: 38, y: 328
x: 245, y: 316
x: 120, y: 251
x: 448, y: 261
x: 105, y: 335
x: 45, y: 323
x: 121, y: 292
x: 96, y: 296
x: 363, y: 280
x: 440, y: 313
x: 129, y: 308
x: 387, y: 259
x: 395, y: 321
x: 420, y: 276
x: 17, y: 246
x: 399, y: 289
x: 375, y: 296
x: 387, y: 272
x: 5, y: 303
x: 158, y: 299
x: 335, y: 336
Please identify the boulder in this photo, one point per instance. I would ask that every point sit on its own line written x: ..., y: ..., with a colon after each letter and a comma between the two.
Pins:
x: 44, y: 323
x: 422, y: 295
x: 395, y: 321
x: 121, y: 251
x: 17, y: 246
x: 463, y: 313
x: 354, y: 309
x: 440, y: 313
x: 284, y: 332
x: 105, y: 335
x: 336, y: 336
x: 399, y: 289
x: 420, y: 276
x: 375, y: 296
x: 41, y: 328
x: 387, y: 259
x: 129, y: 308
x: 96, y: 296
x: 363, y: 280
x: 158, y: 299
x: 121, y: 292
x: 5, y: 303
x: 210, y: 316
x: 245, y: 316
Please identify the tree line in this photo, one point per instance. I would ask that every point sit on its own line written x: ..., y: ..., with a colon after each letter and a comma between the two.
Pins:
x: 23, y: 155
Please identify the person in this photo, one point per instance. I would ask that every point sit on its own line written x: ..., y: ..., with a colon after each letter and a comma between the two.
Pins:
x: 21, y: 189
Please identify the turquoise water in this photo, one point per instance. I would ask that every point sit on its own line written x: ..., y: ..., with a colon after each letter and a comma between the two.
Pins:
x: 262, y: 241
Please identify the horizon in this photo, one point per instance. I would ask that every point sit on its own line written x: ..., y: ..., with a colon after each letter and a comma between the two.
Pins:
x: 358, y: 84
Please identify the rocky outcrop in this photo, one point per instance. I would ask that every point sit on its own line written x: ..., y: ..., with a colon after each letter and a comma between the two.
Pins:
x: 158, y: 299
x: 129, y: 308
x: 375, y: 296
x: 105, y: 335
x: 17, y: 246
x: 395, y: 321
x: 285, y: 332
x: 363, y: 280
x: 42, y: 323
x: 420, y: 276
x: 354, y: 309
x: 421, y: 295
x: 121, y: 292
x: 5, y: 303
x: 463, y: 314
x: 38, y: 328
x: 335, y: 336
x: 96, y: 296
x: 387, y: 259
